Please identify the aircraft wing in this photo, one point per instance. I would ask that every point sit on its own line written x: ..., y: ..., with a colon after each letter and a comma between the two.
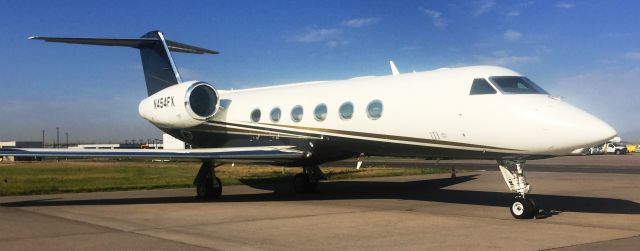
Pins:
x: 263, y: 153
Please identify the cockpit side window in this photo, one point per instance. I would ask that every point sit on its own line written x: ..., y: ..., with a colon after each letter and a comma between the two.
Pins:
x: 481, y: 86
x: 516, y: 85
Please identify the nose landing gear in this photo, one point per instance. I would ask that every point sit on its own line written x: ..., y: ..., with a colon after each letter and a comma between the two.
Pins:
x: 522, y: 207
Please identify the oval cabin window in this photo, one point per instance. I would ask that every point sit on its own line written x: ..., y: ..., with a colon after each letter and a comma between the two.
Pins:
x: 374, y: 109
x: 255, y: 115
x: 296, y: 113
x: 346, y: 111
x: 275, y: 114
x: 320, y: 113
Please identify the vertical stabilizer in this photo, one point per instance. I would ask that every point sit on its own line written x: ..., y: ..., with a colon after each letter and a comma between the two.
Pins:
x: 159, y: 70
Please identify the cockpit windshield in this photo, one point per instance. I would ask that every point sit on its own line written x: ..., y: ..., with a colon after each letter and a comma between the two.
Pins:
x: 516, y: 85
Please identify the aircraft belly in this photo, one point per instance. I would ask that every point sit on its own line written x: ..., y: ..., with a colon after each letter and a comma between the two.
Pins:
x: 326, y: 148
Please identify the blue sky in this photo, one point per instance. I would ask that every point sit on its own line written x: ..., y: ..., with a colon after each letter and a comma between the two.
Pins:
x: 585, y: 51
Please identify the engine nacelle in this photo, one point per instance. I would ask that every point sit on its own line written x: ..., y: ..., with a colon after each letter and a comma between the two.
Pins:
x: 180, y: 106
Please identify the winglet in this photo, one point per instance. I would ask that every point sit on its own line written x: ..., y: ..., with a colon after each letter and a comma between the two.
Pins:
x: 394, y: 69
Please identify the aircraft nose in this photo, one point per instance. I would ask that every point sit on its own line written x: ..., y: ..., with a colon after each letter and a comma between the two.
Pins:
x: 569, y: 129
x: 597, y: 131
x: 585, y: 130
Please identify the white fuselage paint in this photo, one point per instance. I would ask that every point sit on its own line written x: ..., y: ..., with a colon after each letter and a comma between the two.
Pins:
x: 434, y: 105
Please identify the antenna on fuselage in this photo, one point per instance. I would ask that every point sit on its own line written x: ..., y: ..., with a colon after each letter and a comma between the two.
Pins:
x: 394, y: 69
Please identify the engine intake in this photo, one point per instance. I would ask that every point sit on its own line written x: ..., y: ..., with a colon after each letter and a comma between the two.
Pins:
x: 202, y: 100
x: 180, y: 106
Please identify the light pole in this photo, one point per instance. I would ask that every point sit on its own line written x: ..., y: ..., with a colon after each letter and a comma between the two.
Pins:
x: 57, y: 137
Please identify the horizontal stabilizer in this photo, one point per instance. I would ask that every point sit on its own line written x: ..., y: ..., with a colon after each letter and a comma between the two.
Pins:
x: 128, y: 42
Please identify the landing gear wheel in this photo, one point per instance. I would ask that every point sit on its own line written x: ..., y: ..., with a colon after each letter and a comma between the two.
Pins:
x: 522, y: 208
x: 201, y: 191
x: 206, y: 190
x: 312, y: 186
x: 300, y: 182
x: 216, y: 191
x: 303, y: 184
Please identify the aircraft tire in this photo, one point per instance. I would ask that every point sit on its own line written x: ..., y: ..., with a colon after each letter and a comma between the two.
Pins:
x: 216, y: 192
x: 201, y: 191
x: 301, y: 183
x: 207, y: 191
x: 522, y: 208
x: 312, y: 186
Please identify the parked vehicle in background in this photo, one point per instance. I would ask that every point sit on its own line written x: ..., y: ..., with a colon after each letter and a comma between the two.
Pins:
x: 616, y: 148
x: 596, y: 150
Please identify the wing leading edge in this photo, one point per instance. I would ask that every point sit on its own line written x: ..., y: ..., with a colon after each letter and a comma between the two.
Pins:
x: 266, y: 153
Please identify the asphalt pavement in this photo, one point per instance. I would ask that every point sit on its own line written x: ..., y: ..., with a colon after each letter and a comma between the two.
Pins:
x: 585, y: 211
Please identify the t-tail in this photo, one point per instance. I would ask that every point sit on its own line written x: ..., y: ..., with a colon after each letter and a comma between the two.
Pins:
x: 172, y: 103
x: 160, y: 71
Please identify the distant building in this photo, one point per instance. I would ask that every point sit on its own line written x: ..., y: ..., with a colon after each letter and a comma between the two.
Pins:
x: 169, y: 142
x: 107, y: 146
x: 19, y: 144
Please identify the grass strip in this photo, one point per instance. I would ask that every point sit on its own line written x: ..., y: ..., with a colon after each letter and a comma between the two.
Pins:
x: 91, y: 176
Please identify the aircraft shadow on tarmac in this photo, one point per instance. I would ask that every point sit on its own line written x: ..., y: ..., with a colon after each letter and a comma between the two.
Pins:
x: 422, y: 190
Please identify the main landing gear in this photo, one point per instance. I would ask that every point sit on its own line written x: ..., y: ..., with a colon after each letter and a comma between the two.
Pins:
x: 522, y: 207
x: 307, y: 181
x: 208, y: 186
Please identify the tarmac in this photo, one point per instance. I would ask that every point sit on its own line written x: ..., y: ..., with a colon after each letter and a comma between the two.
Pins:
x: 587, y: 210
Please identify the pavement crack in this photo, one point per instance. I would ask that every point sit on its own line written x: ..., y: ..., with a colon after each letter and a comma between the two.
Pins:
x: 595, y: 242
x: 53, y: 236
x: 251, y: 220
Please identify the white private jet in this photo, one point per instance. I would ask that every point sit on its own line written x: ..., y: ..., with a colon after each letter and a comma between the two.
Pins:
x: 478, y: 112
